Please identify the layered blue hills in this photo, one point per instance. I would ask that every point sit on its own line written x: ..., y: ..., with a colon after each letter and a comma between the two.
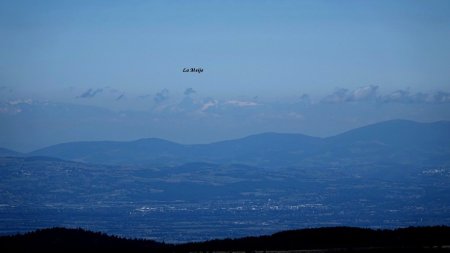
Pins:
x: 399, y: 141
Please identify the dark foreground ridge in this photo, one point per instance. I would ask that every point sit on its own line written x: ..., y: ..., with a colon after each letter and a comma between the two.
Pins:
x: 333, y: 239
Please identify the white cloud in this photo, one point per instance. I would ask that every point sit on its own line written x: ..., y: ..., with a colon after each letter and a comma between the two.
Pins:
x: 20, y: 101
x: 359, y: 94
x: 405, y: 96
x: 364, y: 93
x: 241, y: 103
x: 209, y: 104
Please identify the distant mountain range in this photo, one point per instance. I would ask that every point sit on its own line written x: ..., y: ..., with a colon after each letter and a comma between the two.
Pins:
x: 390, y: 174
x: 395, y: 141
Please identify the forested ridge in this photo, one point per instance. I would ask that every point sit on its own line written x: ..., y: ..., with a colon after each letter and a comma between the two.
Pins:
x: 330, y: 239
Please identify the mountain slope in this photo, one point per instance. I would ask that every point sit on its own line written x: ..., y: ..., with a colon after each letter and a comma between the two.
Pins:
x: 112, y: 152
x: 7, y: 152
x: 397, y: 133
x: 267, y: 149
x: 399, y: 141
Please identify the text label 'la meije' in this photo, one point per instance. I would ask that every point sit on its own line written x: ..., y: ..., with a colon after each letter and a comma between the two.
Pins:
x: 192, y: 70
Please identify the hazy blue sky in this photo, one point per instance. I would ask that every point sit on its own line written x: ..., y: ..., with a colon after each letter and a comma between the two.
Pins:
x: 263, y: 61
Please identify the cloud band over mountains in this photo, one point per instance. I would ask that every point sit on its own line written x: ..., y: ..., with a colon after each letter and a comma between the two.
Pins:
x: 370, y: 93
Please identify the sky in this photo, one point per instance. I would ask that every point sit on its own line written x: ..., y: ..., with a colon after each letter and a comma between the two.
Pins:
x: 113, y: 70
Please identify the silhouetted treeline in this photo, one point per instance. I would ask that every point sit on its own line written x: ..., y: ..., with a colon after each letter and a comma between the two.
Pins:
x: 75, y: 240
x: 335, y: 239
